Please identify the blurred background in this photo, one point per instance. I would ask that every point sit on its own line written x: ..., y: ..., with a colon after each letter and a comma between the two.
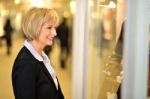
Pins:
x: 100, y: 75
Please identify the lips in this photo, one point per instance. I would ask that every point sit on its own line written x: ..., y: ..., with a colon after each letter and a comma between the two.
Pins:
x: 51, y: 38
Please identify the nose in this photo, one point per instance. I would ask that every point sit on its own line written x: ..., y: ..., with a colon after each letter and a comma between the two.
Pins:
x: 54, y: 32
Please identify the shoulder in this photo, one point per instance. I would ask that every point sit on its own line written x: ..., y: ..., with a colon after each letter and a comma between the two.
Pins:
x: 24, y: 58
x: 25, y: 62
x: 25, y: 54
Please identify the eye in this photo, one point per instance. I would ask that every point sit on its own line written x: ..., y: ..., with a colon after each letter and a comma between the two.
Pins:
x: 49, y: 27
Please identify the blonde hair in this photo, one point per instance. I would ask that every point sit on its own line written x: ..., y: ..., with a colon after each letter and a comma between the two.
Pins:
x: 35, y: 18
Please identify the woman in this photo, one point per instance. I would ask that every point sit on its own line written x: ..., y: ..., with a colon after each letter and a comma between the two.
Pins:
x: 33, y: 76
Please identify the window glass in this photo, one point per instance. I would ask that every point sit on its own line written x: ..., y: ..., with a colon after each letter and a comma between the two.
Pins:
x: 106, y: 18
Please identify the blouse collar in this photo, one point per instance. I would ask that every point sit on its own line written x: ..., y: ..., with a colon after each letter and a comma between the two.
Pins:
x: 28, y: 45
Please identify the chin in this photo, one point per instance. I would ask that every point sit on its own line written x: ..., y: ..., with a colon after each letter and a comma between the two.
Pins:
x: 49, y: 43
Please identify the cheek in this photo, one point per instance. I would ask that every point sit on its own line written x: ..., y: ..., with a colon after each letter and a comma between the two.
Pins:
x: 43, y: 33
x: 42, y: 36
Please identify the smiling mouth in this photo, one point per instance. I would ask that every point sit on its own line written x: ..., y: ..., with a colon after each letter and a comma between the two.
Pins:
x: 51, y: 38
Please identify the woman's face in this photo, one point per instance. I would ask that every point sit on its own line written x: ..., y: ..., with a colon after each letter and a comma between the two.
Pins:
x: 47, y: 34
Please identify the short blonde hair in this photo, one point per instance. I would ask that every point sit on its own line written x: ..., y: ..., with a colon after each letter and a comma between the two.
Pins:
x: 35, y: 18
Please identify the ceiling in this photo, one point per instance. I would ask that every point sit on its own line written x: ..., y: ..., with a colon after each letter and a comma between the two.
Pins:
x: 17, y: 4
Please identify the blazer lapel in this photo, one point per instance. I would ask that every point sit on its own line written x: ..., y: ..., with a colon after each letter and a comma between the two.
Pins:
x: 47, y: 73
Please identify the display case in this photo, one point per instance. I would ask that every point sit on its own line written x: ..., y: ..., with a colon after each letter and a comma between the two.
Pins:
x: 105, y: 44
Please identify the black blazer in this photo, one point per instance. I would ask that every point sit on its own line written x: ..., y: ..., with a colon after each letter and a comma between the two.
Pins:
x: 31, y: 79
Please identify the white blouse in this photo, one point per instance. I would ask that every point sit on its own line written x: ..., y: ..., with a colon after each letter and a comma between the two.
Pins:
x: 44, y: 58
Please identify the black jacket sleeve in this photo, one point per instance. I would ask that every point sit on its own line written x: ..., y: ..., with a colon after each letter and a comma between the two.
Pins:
x: 23, y: 80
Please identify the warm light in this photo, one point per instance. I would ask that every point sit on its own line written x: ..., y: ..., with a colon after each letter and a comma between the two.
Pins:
x: 102, y: 0
x: 66, y: 14
x: 37, y: 3
x: 120, y: 1
x: 91, y: 3
x: 110, y: 5
x: 72, y: 6
x: 17, y: 1
x: 1, y: 26
x: 4, y: 12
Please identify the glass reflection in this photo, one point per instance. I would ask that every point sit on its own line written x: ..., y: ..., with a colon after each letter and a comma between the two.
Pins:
x: 105, y: 48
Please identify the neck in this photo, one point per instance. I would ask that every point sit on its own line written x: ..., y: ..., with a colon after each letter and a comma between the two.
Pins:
x: 38, y: 47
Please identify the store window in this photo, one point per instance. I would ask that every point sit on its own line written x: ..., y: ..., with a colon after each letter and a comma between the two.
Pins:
x: 106, y: 19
